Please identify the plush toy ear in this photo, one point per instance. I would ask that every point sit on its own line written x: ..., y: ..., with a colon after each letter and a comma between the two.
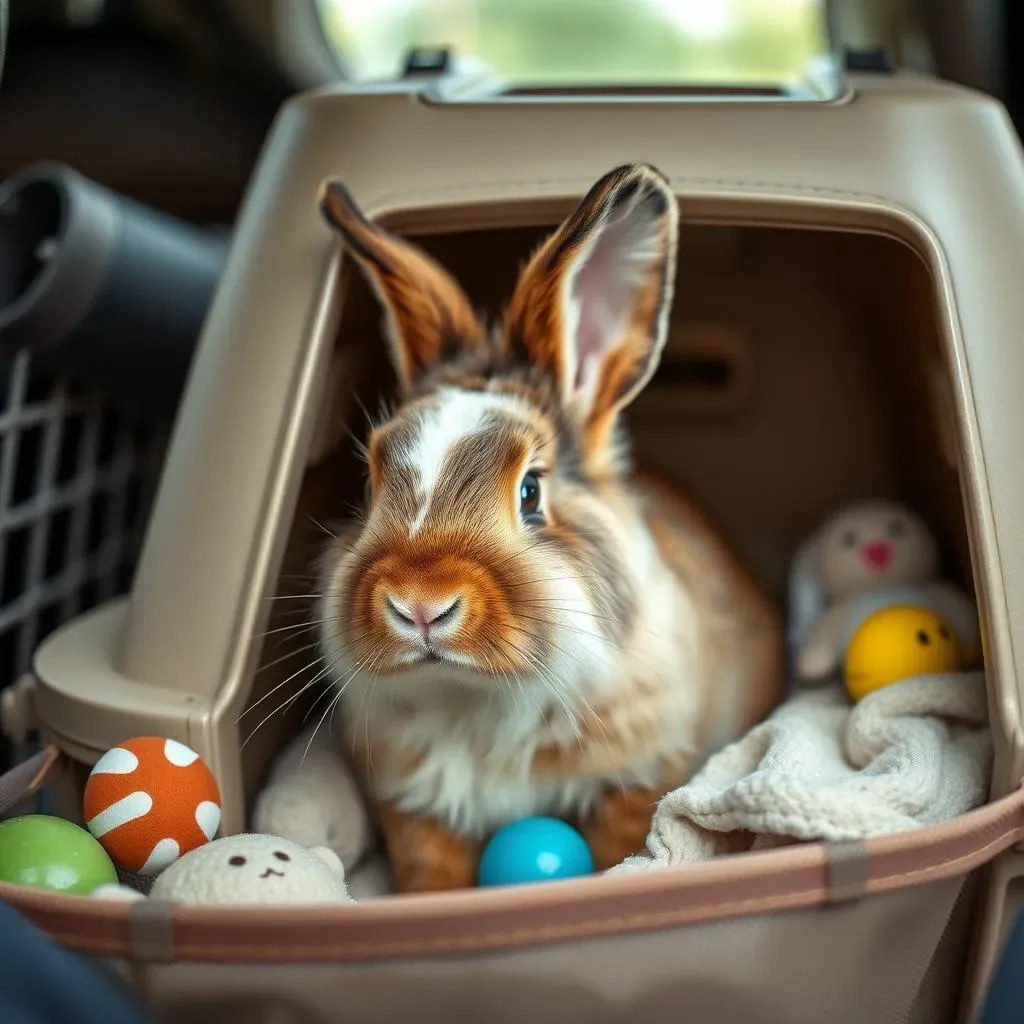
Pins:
x: 331, y: 859
x: 429, y: 316
x: 591, y: 307
x: 806, y: 591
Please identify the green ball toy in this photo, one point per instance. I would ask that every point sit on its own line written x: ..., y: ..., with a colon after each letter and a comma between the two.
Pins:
x: 45, y: 852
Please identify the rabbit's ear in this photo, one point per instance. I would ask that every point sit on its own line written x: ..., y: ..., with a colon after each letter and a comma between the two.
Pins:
x: 429, y: 316
x: 591, y: 307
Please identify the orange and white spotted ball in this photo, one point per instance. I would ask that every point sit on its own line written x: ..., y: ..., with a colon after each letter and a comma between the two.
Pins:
x: 150, y: 800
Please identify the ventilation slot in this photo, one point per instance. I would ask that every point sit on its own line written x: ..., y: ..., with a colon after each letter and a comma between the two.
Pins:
x: 699, y: 371
x: 704, y: 371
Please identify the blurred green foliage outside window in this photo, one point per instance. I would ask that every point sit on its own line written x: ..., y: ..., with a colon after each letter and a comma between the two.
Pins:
x: 586, y: 42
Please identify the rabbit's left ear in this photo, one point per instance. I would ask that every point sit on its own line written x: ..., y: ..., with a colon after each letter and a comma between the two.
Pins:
x: 591, y: 307
x: 429, y: 317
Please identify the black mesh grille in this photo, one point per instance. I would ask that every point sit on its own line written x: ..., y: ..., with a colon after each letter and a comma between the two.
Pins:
x: 76, y: 484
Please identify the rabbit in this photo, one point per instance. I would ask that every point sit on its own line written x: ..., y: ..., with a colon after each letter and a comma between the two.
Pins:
x: 519, y: 625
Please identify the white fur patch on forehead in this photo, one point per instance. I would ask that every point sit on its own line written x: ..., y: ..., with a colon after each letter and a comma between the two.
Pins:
x: 453, y: 415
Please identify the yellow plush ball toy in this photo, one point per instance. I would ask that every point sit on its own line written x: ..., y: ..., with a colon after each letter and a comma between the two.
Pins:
x: 897, y: 643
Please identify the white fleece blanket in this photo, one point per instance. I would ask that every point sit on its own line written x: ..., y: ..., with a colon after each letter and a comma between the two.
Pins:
x: 911, y: 754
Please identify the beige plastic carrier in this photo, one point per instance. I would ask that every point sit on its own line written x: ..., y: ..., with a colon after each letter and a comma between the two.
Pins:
x: 849, y: 321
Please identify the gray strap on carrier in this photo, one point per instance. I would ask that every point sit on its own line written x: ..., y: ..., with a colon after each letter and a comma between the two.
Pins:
x: 846, y: 870
x: 152, y: 931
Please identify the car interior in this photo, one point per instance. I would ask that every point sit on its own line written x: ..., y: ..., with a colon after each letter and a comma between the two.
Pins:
x: 192, y: 364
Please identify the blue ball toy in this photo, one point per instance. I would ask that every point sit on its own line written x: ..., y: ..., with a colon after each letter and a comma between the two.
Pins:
x: 534, y: 850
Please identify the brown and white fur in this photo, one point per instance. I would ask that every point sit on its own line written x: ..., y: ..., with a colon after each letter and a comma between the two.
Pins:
x: 496, y: 659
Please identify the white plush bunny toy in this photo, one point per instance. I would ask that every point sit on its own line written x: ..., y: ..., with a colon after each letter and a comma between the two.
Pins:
x: 867, y: 556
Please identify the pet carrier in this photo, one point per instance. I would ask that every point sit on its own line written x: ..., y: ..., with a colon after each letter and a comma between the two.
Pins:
x: 846, y: 321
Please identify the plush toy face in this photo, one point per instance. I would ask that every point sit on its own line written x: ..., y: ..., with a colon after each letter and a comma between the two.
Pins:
x: 249, y: 868
x: 875, y: 544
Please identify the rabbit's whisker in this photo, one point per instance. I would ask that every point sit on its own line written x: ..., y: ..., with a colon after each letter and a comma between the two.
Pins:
x: 299, y: 650
x: 284, y: 705
x: 374, y: 676
x: 546, y: 603
x: 564, y: 625
x: 551, y: 685
x: 297, y: 625
x: 330, y: 706
x: 573, y: 688
x: 554, y: 579
x: 320, y: 526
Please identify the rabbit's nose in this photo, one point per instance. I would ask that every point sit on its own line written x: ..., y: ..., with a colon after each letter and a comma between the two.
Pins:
x: 423, y: 615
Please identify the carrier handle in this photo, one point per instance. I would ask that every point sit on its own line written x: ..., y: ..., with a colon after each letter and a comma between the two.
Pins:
x: 28, y: 777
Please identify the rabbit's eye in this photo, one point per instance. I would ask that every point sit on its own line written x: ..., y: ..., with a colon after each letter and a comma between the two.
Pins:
x: 236, y: 861
x: 897, y: 528
x: 849, y: 539
x: 281, y: 856
x: 529, y: 498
